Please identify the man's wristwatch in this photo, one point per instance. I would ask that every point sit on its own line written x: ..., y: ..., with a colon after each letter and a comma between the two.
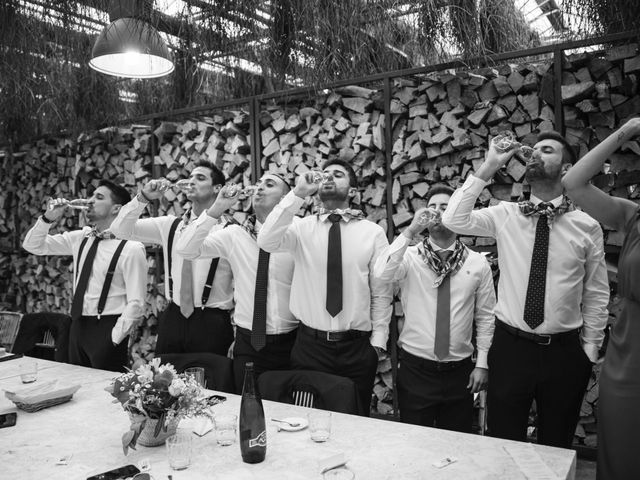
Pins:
x: 46, y: 220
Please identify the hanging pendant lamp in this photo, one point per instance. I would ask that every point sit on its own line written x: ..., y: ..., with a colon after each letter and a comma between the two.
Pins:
x: 132, y: 48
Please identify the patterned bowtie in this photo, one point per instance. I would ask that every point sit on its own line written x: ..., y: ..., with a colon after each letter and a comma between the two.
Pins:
x: 347, y: 213
x: 106, y: 235
x: 546, y: 208
x: 250, y: 226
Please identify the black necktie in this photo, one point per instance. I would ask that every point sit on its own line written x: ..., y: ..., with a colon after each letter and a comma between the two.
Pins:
x: 534, y: 303
x: 259, y: 327
x: 83, y: 280
x: 443, y: 313
x: 334, y: 267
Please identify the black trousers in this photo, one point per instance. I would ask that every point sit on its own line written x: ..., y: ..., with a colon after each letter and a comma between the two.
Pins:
x: 553, y: 375
x: 355, y: 359
x: 206, y: 330
x: 435, y: 394
x: 90, y: 344
x: 276, y: 354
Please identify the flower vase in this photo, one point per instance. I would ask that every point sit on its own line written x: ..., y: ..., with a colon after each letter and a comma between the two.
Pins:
x: 147, y: 437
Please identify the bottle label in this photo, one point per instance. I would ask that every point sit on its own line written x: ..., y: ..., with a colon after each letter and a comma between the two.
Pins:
x: 259, y: 441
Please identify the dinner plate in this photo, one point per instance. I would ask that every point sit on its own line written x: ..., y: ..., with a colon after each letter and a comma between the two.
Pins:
x: 302, y: 424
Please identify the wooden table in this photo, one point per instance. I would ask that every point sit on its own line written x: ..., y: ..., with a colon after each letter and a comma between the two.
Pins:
x: 90, y: 427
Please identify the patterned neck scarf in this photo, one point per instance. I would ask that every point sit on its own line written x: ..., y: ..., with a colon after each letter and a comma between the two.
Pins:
x: 347, y: 213
x: 250, y: 226
x: 546, y: 208
x: 435, y: 263
x: 105, y: 235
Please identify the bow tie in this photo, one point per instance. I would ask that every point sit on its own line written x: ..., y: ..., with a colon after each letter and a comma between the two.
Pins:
x: 347, y: 213
x: 546, y: 208
x: 106, y: 235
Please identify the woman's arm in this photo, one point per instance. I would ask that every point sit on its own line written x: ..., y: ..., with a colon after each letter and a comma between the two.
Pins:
x: 612, y: 211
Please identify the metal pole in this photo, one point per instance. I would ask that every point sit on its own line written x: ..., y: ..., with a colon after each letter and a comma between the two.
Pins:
x: 393, y: 326
x: 557, y: 90
x: 254, y: 135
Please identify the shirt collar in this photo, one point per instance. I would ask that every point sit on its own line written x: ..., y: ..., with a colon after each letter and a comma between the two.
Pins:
x: 437, y: 248
x: 556, y: 202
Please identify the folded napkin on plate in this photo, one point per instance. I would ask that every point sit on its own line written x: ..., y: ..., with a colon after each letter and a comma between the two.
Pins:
x: 41, y: 392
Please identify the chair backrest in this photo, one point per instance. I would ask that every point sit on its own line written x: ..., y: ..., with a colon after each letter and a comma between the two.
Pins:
x: 9, y: 325
x: 218, y: 370
x: 308, y: 388
x: 39, y: 331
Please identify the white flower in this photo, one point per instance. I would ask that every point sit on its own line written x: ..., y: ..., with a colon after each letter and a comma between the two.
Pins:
x: 144, y: 373
x: 167, y: 366
x: 176, y: 387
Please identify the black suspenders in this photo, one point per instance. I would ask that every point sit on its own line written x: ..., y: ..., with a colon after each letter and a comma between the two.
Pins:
x: 108, y: 278
x: 172, y: 233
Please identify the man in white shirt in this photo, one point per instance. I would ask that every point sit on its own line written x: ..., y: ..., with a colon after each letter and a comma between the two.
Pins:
x: 265, y: 327
x: 110, y: 280
x: 552, y: 294
x: 344, y: 313
x: 197, y: 318
x: 445, y: 288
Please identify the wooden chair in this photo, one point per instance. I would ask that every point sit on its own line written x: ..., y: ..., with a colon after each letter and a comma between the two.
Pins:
x: 9, y: 325
x: 218, y: 370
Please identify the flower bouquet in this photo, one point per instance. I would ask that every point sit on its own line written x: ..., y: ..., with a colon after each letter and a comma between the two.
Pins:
x: 157, y: 396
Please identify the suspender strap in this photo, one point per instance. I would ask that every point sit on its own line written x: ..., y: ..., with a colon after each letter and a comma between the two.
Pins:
x: 209, y: 282
x: 109, y: 277
x: 172, y: 233
x: 214, y: 266
x: 80, y: 250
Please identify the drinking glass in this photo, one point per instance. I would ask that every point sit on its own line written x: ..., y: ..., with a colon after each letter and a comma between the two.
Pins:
x: 225, y: 425
x: 234, y: 189
x: 198, y: 375
x: 504, y: 141
x: 428, y: 216
x: 340, y: 473
x: 28, y: 371
x: 525, y: 153
x: 184, y: 185
x: 316, y: 176
x: 76, y: 204
x: 319, y: 425
x: 179, y: 450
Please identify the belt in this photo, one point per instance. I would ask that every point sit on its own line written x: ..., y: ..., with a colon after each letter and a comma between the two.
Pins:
x: 333, y: 335
x: 271, y: 338
x: 539, y: 338
x: 432, y: 364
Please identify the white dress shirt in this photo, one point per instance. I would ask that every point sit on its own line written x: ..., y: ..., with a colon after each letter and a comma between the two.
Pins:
x: 366, y: 301
x: 128, y: 287
x: 240, y: 249
x: 577, y: 289
x: 156, y: 230
x: 472, y: 298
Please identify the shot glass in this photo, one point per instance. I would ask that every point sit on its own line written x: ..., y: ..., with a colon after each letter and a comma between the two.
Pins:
x: 76, y: 203
x: 319, y: 425
x: 28, y: 371
x: 184, y: 185
x: 225, y: 425
x: 525, y: 153
x: 234, y: 189
x: 340, y: 473
x: 198, y: 375
x: 429, y: 216
x: 179, y: 450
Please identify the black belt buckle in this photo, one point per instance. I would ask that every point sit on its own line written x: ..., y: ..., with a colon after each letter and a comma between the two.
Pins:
x: 333, y: 336
x: 546, y: 337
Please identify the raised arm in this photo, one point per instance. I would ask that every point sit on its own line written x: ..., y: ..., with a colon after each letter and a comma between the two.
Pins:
x: 612, y: 211
x: 39, y: 242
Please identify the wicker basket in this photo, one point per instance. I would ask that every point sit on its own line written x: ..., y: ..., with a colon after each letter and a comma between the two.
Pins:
x: 34, y: 407
x: 147, y: 437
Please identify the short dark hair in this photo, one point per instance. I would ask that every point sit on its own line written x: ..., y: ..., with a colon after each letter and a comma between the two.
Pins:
x: 217, y: 177
x: 568, y: 153
x: 353, y: 180
x: 119, y: 195
x: 438, y: 189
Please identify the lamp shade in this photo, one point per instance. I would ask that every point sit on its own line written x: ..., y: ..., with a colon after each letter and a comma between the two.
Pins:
x: 130, y: 47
